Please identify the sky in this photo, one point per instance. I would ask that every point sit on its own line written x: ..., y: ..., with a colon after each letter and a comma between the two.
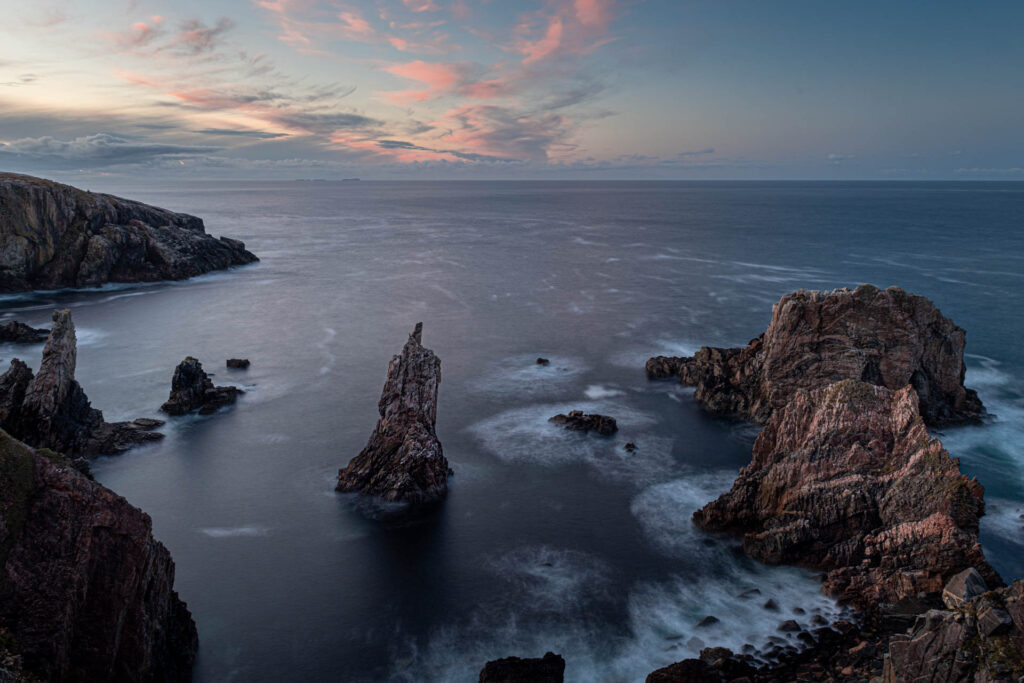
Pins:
x: 519, y: 89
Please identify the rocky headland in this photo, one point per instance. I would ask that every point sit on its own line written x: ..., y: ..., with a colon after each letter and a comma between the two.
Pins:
x: 49, y: 409
x: 403, y: 460
x: 885, y: 337
x: 193, y: 390
x: 15, y: 332
x: 86, y: 593
x: 54, y: 236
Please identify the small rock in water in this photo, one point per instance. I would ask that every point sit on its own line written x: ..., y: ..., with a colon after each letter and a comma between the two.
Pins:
x: 238, y: 363
x: 749, y: 593
x: 547, y: 669
x: 789, y: 626
x: 543, y: 361
x: 707, y: 621
x: 192, y: 389
x: 16, y: 332
x: 771, y: 604
x: 576, y: 420
x: 630, y: 447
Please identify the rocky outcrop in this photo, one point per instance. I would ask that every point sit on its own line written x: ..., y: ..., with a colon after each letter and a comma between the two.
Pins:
x: 86, y: 593
x: 238, y: 363
x: 846, y: 479
x: 192, y: 389
x: 578, y: 421
x: 885, y: 337
x: 403, y: 460
x: 54, y: 236
x: 15, y: 332
x: 547, y: 669
x: 49, y: 409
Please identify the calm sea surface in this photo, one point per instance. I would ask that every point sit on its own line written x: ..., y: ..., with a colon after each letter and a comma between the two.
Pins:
x: 549, y: 540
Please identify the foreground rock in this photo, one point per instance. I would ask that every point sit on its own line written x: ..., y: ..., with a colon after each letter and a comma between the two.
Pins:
x: 192, y: 389
x: 87, y: 592
x: 15, y: 332
x: 547, y: 669
x: 403, y: 460
x: 885, y: 337
x: 54, y: 236
x: 49, y: 409
x: 238, y: 363
x: 578, y: 421
x: 846, y: 479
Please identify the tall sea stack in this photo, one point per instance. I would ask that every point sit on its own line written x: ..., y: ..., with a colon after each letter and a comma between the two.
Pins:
x: 404, y: 461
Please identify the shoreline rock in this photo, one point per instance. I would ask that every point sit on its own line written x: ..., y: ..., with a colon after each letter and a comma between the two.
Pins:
x: 15, y: 332
x: 578, y: 421
x: 547, y: 669
x: 49, y: 409
x: 192, y: 389
x: 884, y: 337
x: 88, y: 594
x: 238, y: 363
x: 403, y: 460
x: 55, y: 236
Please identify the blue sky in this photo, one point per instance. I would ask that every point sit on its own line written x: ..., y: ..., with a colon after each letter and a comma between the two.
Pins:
x: 529, y: 89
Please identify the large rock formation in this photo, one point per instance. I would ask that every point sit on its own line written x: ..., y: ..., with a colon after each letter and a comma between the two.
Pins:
x: 846, y: 479
x: 86, y: 593
x: 885, y: 337
x: 547, y: 669
x: 192, y: 389
x: 15, y: 332
x: 54, y: 236
x: 49, y: 409
x: 403, y: 460
x: 578, y: 421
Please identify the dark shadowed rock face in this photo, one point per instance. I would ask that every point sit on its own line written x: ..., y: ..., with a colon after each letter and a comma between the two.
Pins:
x: 403, y: 460
x: 54, y: 236
x: 884, y: 337
x: 15, y: 332
x: 86, y: 593
x: 192, y: 389
x: 846, y: 479
x: 238, y: 363
x: 579, y: 421
x: 547, y: 669
x: 49, y: 409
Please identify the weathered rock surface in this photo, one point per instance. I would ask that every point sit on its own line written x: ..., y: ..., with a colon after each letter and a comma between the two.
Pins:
x: 49, y: 409
x: 846, y: 479
x: 86, y: 593
x: 885, y: 337
x: 15, y: 332
x: 578, y: 421
x: 192, y: 389
x: 403, y: 460
x: 238, y: 363
x: 547, y: 669
x: 54, y: 236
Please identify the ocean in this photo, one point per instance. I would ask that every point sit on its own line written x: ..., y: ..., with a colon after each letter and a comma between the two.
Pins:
x: 549, y: 540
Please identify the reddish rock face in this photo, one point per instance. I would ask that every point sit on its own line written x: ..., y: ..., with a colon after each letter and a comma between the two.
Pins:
x: 846, y: 479
x: 885, y: 337
x: 87, y: 593
x: 404, y: 461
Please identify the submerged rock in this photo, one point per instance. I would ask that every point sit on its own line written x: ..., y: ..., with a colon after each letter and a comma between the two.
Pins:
x: 49, y: 409
x: 577, y: 421
x: 88, y: 594
x: 238, y: 363
x: 55, y: 236
x: 847, y: 479
x: 543, y: 361
x: 403, y: 460
x: 15, y: 332
x: 547, y: 669
x: 192, y: 389
x: 885, y: 337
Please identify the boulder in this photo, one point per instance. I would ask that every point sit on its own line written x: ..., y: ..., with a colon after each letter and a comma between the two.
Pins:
x: 238, y: 363
x: 192, y: 389
x: 547, y: 669
x: 88, y: 594
x: 15, y: 332
x: 55, y: 236
x: 963, y: 587
x: 577, y: 421
x: 884, y: 337
x: 403, y: 460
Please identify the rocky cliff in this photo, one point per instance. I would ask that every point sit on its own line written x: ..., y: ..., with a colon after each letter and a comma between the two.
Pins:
x: 403, y: 460
x: 885, y: 337
x: 49, y: 409
x: 846, y: 479
x: 86, y: 593
x: 54, y: 236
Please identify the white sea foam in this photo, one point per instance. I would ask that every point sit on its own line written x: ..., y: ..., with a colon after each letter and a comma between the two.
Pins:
x: 597, y: 392
x: 637, y: 355
x: 234, y: 532
x: 664, y: 511
x: 521, y: 375
x: 552, y: 579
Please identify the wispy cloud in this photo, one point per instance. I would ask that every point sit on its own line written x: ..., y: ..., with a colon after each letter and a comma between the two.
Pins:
x: 101, y: 149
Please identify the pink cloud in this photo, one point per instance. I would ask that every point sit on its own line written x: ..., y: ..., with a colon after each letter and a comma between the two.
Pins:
x: 421, y: 5
x: 535, y: 51
x: 596, y: 13
x: 566, y: 27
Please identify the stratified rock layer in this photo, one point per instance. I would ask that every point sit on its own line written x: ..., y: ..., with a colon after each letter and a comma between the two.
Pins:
x: 49, y: 409
x: 86, y: 593
x: 403, y: 460
x: 192, y: 389
x: 54, y: 236
x: 846, y: 479
x: 15, y: 332
x: 885, y: 337
x: 547, y: 669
